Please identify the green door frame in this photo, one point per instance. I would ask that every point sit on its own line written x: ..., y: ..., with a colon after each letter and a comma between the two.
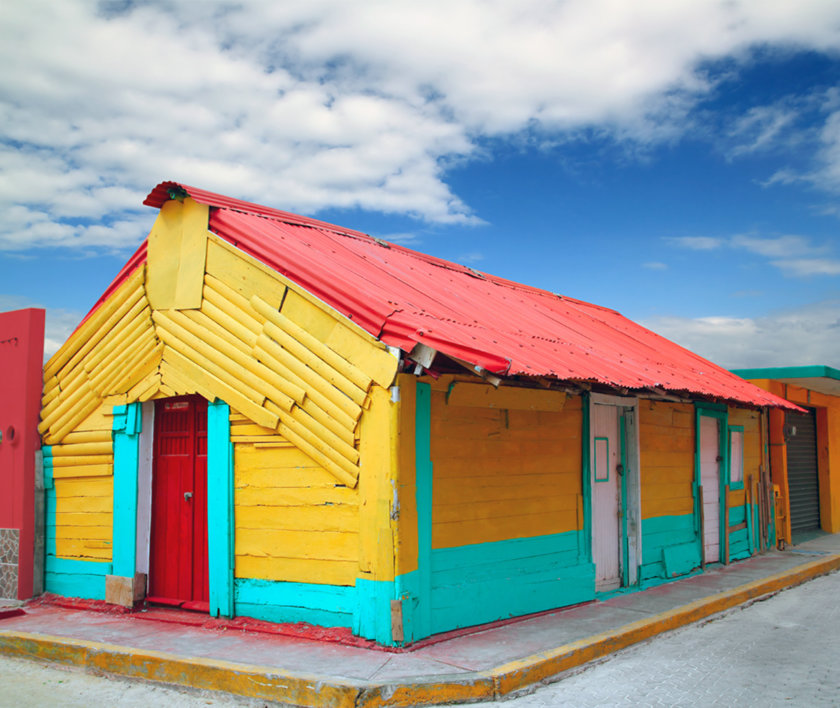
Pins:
x: 721, y: 414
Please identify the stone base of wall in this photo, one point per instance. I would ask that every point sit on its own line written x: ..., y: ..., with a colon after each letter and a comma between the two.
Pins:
x: 9, y: 559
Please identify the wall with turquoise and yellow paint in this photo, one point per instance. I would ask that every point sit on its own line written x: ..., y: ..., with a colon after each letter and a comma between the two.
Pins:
x: 743, y: 498
x: 341, y: 492
x: 308, y: 428
x: 507, y: 503
x: 669, y: 524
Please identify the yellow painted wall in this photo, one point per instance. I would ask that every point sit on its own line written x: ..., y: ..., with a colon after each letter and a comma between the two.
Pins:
x: 83, y: 492
x: 666, y: 442
x: 202, y: 317
x: 293, y: 520
x: 503, y: 473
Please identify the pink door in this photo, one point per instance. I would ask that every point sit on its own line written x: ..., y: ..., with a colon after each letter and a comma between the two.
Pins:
x: 606, y: 497
x: 178, y: 568
x: 710, y: 479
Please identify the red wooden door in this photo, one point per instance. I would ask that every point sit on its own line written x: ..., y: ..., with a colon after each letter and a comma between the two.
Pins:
x: 178, y: 572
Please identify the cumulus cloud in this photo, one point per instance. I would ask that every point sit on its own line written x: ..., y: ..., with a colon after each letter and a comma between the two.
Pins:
x: 328, y: 103
x: 796, y: 337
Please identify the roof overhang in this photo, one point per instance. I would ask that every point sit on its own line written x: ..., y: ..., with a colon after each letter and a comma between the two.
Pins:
x: 822, y: 379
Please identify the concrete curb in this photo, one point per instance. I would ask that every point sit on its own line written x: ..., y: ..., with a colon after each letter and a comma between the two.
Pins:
x: 270, y: 683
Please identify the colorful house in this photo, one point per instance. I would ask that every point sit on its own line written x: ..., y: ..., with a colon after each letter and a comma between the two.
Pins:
x: 270, y: 416
x: 804, y: 447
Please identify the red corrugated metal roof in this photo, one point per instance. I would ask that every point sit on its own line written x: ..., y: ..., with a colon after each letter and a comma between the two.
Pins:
x: 404, y: 297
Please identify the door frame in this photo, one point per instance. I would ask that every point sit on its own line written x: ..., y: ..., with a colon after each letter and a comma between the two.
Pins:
x: 720, y: 412
x: 220, y: 508
x: 630, y: 528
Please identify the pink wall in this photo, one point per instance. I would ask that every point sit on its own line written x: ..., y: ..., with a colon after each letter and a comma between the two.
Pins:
x: 21, y: 363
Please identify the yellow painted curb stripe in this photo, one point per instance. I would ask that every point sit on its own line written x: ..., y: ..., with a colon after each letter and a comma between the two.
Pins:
x: 255, y: 681
x: 538, y: 667
x: 270, y: 683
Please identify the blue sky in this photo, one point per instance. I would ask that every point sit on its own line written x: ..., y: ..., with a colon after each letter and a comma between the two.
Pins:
x: 677, y: 161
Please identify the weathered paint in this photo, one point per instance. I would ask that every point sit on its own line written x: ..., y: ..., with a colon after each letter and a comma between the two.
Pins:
x: 316, y: 603
x: 503, y: 473
x: 499, y: 515
x: 483, y: 582
x: 669, y: 546
x: 220, y: 524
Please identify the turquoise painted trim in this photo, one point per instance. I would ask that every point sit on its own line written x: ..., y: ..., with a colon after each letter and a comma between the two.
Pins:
x: 62, y: 576
x: 277, y: 601
x: 424, y: 480
x: 484, y: 582
x: 586, y: 479
x: 789, y: 372
x: 220, y: 527
x: 607, y: 441
x: 669, y: 547
x: 126, y: 427
x: 734, y: 429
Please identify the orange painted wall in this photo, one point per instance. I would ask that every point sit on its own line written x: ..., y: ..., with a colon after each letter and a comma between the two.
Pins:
x: 666, y: 442
x: 502, y: 474
x: 828, y: 449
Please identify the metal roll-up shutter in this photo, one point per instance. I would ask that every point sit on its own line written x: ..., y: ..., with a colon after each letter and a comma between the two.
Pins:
x: 803, y: 482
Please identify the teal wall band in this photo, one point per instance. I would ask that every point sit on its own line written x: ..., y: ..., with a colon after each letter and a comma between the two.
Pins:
x: 424, y: 472
x: 220, y: 528
x: 586, y: 480
x: 126, y: 427
x: 70, y: 578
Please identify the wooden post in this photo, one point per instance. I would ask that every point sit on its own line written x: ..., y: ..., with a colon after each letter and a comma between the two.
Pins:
x: 702, y: 529
x: 749, y: 497
x: 726, y: 524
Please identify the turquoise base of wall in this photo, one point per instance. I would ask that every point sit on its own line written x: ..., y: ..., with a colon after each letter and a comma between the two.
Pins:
x: 743, y: 542
x: 70, y: 578
x: 669, y: 547
x: 485, y: 582
x: 274, y: 601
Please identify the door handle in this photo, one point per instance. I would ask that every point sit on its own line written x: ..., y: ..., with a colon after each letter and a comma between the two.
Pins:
x: 620, y: 469
x: 187, y: 496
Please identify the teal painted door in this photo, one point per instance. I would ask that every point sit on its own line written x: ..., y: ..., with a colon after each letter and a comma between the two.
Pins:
x: 606, y: 497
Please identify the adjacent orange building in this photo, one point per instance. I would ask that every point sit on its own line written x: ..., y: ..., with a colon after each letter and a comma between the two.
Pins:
x: 804, y: 447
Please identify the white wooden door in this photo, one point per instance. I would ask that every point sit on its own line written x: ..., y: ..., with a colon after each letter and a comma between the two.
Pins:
x: 606, y: 497
x: 710, y: 479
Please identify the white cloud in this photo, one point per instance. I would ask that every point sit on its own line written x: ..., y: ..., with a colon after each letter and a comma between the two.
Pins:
x: 320, y: 103
x: 697, y: 243
x: 796, y: 337
x: 655, y: 265
x: 761, y: 128
x: 794, y: 255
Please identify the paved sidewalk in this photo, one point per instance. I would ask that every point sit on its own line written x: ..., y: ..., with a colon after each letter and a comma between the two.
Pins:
x: 484, y: 664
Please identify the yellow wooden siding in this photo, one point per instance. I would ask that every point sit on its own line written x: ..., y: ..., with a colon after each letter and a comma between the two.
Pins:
x: 84, y: 518
x: 113, y: 353
x: 503, y: 473
x: 298, y: 376
x: 666, y: 442
x: 294, y: 522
